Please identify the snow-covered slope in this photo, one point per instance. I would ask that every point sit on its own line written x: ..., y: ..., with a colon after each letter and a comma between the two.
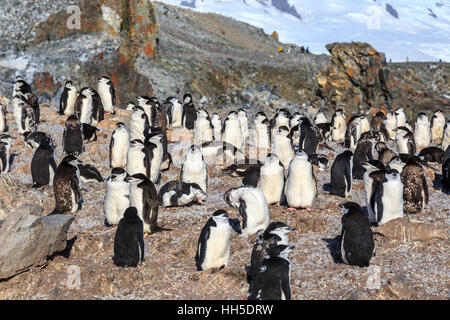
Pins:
x: 417, y: 29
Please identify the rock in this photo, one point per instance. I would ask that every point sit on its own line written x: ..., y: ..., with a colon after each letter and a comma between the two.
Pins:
x: 411, y: 230
x: 399, y: 287
x: 28, y: 238
x: 308, y: 222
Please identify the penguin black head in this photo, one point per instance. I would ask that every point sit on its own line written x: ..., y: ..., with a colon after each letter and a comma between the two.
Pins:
x: 137, y: 178
x: 118, y: 174
x: 68, y: 83
x: 380, y: 146
x: 349, y: 206
x: 187, y: 98
x: 73, y: 123
x: 221, y: 214
x: 280, y: 250
x: 380, y: 114
x: 130, y: 106
x: 277, y: 227
x: 131, y: 212
x: 71, y: 160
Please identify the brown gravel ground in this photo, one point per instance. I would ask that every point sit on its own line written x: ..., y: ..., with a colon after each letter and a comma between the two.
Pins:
x: 169, y: 270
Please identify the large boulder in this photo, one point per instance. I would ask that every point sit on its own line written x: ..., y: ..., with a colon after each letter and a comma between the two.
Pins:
x: 27, y: 238
x: 358, y: 76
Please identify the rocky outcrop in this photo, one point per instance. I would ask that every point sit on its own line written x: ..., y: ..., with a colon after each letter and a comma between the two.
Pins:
x: 359, y: 76
x: 110, y: 36
x: 28, y: 238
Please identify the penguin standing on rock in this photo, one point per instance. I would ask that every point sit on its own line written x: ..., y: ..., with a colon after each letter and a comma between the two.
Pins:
x: 144, y: 198
x: 43, y: 166
x: 231, y: 130
x: 341, y: 174
x: 139, y: 124
x: 338, y: 126
x: 107, y: 94
x: 72, y: 136
x: 271, y: 180
x: 415, y: 188
x: 281, y: 118
x: 129, y: 247
x: 391, y: 123
x: 213, y: 249
x: 386, y: 201
x: 422, y: 132
x: 363, y: 153
x: 357, y: 243
x: 84, y: 106
x: 353, y: 132
x: 177, y: 112
x: 155, y: 154
x: 310, y: 137
x: 400, y: 117
x: 5, y: 153
x: 117, y: 198
x: 437, y: 127
x: 405, y: 141
x: 243, y: 120
x: 204, y: 130
x: 262, y: 135
x: 194, y: 168
x: 138, y: 158
x: 179, y: 193
x: 282, y: 146
x: 189, y: 113
x: 118, y: 146
x: 301, y: 186
x: 67, y: 186
x: 378, y: 125
x: 253, y: 208
x: 68, y: 99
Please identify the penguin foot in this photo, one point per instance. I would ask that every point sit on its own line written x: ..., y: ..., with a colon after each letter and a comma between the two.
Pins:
x: 309, y: 209
x: 291, y: 209
x: 200, y: 201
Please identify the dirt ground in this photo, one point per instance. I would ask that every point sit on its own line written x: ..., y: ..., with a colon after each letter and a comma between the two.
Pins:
x: 407, y: 269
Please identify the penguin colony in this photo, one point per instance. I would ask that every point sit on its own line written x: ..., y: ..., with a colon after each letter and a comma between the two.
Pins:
x: 279, y: 173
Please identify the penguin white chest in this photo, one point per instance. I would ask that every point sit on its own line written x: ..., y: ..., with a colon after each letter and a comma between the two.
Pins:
x: 105, y: 96
x: 282, y: 147
x: 300, y: 189
x: 217, y: 248
x: 135, y: 161
x: 392, y: 201
x: 71, y: 100
x: 177, y: 112
x: 271, y: 182
x: 86, y: 110
x: 195, y: 172
x: 120, y: 149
